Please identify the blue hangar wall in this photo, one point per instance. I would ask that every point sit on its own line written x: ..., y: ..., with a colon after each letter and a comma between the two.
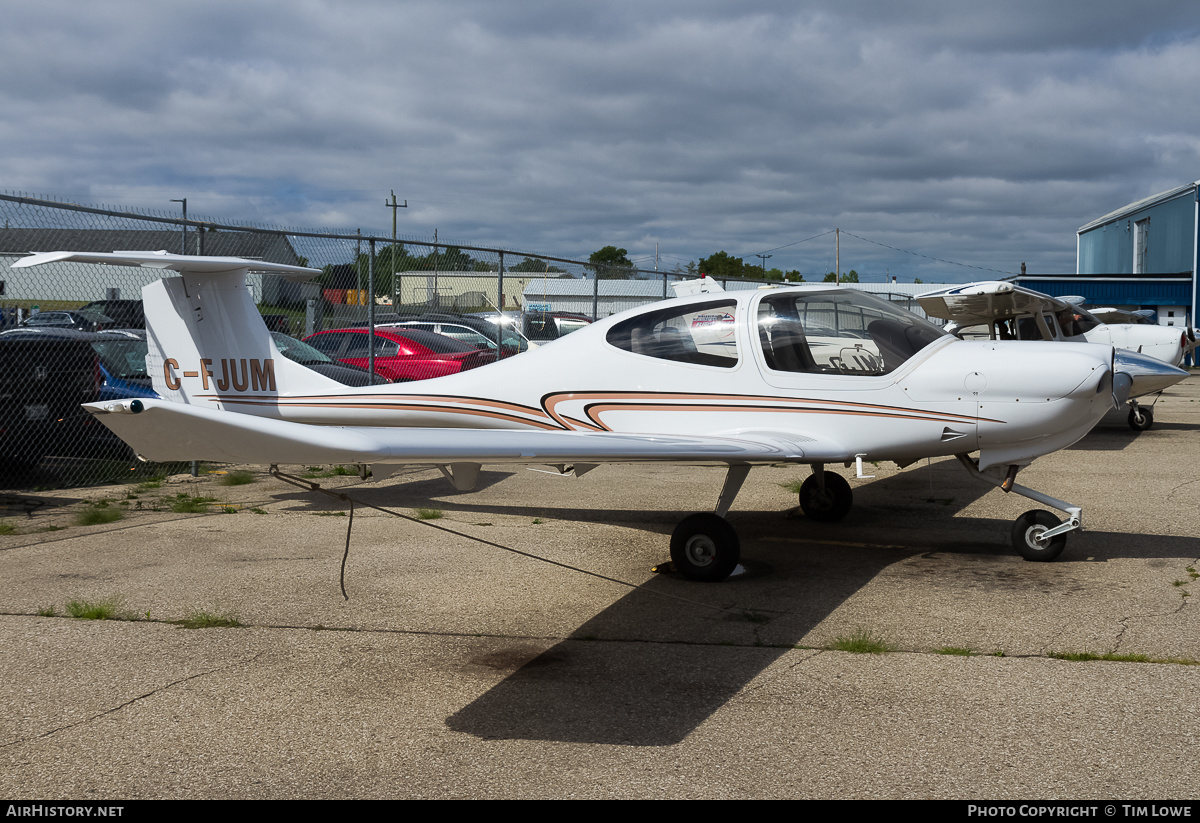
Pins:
x: 1143, y: 255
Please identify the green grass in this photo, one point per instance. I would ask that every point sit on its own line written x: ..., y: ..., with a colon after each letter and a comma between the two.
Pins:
x: 7, y: 528
x: 97, y: 514
x: 429, y: 514
x: 48, y: 611
x: 961, y: 651
x: 239, y: 477
x: 335, y: 471
x: 107, y: 609
x: 203, y: 619
x: 1112, y: 657
x: 861, y: 641
x: 184, y: 503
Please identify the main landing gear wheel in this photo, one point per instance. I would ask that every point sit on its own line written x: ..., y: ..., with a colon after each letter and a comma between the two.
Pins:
x: 705, y: 547
x: 1027, y: 536
x: 826, y: 506
x: 1141, y: 418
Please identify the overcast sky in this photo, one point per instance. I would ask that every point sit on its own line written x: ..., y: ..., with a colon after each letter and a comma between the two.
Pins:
x: 979, y: 133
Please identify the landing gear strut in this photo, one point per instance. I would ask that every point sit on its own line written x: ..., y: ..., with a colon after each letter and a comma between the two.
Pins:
x: 1037, y: 534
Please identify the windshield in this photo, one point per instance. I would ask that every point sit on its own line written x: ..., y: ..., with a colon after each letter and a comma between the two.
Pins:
x: 838, y: 332
x: 123, y: 359
x: 293, y: 349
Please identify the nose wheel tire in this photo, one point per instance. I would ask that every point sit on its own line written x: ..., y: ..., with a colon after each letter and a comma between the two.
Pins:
x: 1027, y: 536
x: 1141, y: 418
x: 705, y: 547
x: 826, y: 506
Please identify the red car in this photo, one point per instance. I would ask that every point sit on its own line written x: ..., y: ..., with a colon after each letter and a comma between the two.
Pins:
x: 410, y: 354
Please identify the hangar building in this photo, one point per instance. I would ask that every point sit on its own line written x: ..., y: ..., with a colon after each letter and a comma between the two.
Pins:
x: 1141, y: 256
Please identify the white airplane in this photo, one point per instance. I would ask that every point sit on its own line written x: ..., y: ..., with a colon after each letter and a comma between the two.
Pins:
x: 1012, y: 312
x: 732, y: 379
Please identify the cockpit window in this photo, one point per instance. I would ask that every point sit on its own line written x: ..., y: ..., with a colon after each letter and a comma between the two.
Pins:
x: 704, y: 334
x: 838, y: 332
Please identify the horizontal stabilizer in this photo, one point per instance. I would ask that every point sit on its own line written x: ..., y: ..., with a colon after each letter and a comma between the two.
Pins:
x: 180, y: 263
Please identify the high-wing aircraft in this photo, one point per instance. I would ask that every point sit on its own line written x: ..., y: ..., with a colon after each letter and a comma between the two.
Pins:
x: 1012, y: 312
x: 812, y: 375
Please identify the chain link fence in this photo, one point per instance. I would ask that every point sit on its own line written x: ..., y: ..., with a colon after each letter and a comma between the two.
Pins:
x: 69, y: 332
x: 52, y: 358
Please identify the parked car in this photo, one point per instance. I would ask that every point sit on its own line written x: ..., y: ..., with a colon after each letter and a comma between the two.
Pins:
x: 457, y: 326
x: 126, y: 314
x: 456, y: 331
x: 45, y: 374
x: 76, y: 319
x: 322, y: 363
x: 538, y: 327
x: 413, y: 354
x: 122, y: 354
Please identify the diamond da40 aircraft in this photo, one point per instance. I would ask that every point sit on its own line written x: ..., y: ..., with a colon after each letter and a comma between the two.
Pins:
x: 1012, y: 312
x: 812, y: 375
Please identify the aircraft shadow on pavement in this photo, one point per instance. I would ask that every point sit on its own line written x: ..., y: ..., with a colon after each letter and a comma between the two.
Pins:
x: 666, y: 666
x: 663, y: 665
x: 606, y: 684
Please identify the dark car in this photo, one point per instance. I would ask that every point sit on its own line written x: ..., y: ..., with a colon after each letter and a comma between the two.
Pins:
x: 537, y: 327
x: 126, y: 314
x: 77, y: 319
x: 122, y: 354
x: 510, y: 341
x: 322, y: 363
x: 45, y: 374
x: 410, y: 354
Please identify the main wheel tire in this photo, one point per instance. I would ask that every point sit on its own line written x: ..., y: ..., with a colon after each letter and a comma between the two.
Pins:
x: 705, y: 547
x: 830, y: 505
x: 1141, y: 418
x: 1027, y: 536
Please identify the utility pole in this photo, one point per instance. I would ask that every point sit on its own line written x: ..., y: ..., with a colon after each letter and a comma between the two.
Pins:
x: 392, y: 205
x: 837, y: 236
x: 764, y: 258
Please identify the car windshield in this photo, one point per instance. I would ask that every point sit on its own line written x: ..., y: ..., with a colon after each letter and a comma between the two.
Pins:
x: 124, y: 359
x: 301, y: 352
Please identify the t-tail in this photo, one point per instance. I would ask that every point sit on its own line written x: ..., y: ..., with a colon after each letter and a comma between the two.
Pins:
x: 208, y: 344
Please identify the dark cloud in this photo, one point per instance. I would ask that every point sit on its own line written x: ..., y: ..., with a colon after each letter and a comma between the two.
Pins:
x: 978, y: 133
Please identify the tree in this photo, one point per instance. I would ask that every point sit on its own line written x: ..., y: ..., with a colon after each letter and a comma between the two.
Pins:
x: 849, y: 277
x: 611, y: 263
x: 535, y: 266
x: 722, y: 266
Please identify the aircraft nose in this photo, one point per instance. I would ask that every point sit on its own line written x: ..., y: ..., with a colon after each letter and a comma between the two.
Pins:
x: 1145, y: 374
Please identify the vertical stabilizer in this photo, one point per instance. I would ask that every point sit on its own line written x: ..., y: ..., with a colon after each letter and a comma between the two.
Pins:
x: 208, y: 345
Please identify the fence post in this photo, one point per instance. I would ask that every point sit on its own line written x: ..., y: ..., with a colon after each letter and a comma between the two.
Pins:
x: 371, y: 309
x: 500, y: 286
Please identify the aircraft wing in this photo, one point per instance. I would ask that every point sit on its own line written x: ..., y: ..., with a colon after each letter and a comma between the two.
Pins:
x: 163, y: 431
x: 978, y: 303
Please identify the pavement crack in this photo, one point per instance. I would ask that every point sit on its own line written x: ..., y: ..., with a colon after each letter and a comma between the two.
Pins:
x: 129, y: 702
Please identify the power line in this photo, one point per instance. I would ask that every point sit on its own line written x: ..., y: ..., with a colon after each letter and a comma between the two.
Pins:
x: 926, y: 256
